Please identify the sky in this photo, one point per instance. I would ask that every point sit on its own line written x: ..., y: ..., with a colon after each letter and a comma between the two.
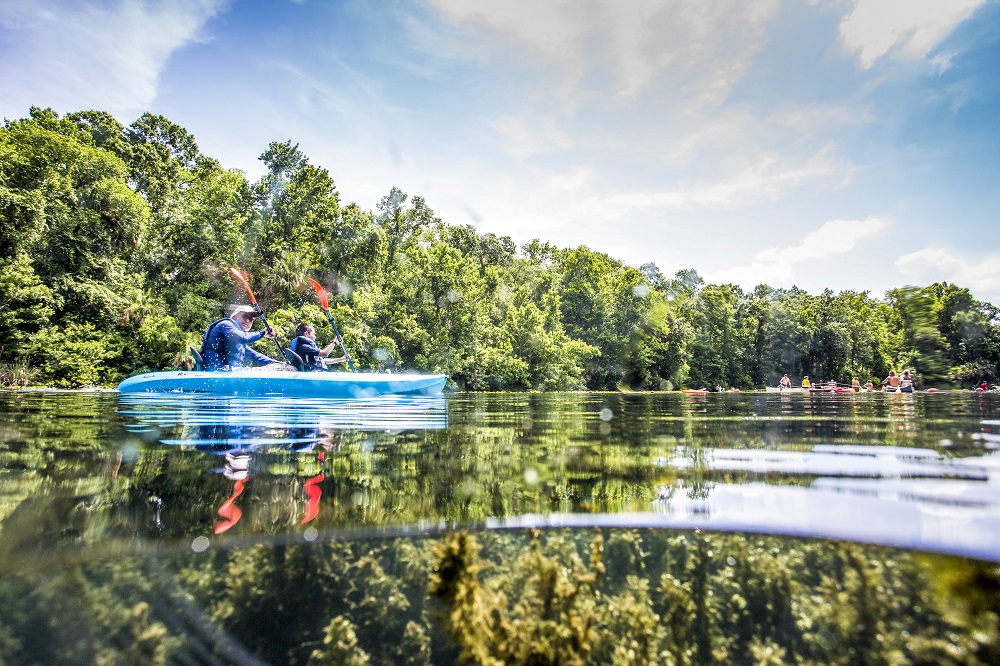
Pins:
x: 843, y: 144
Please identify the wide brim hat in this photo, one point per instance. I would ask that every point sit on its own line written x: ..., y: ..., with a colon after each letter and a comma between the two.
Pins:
x: 244, y: 309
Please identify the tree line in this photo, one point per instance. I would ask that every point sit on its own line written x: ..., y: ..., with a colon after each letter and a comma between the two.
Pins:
x: 115, y: 243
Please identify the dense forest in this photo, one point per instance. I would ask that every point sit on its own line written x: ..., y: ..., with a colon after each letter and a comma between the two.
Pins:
x: 115, y: 243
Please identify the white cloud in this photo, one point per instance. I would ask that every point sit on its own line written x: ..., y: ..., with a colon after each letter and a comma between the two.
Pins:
x: 104, y: 55
x: 707, y: 45
x: 909, y: 28
x: 521, y: 141
x: 766, y: 180
x: 937, y: 264
x: 779, y: 265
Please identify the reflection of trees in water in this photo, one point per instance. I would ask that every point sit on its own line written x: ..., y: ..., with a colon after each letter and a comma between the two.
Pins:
x: 500, y: 456
x: 623, y: 596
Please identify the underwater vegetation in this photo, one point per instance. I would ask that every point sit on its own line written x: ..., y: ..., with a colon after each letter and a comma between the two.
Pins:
x: 518, y: 597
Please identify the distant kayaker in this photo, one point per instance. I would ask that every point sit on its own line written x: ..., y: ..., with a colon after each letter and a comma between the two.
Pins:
x: 869, y: 386
x: 856, y: 385
x: 906, y: 382
x: 891, y: 383
x: 304, y: 345
x: 785, y: 382
x: 226, y: 341
x: 805, y: 382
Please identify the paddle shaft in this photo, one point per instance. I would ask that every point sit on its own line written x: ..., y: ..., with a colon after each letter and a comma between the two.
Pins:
x: 350, y: 363
x: 325, y: 304
x: 281, y: 350
x: 260, y: 313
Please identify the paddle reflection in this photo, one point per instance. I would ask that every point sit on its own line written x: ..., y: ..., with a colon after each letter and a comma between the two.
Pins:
x: 267, y: 443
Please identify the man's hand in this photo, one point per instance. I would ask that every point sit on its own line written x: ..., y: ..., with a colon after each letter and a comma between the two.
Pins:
x: 269, y: 333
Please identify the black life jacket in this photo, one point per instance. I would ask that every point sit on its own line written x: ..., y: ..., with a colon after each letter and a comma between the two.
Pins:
x: 220, y: 347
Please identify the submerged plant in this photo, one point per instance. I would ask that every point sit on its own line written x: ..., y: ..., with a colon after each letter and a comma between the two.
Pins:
x: 676, y: 598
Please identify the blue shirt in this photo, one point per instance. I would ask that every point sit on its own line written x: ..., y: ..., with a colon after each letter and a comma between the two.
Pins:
x: 227, y: 344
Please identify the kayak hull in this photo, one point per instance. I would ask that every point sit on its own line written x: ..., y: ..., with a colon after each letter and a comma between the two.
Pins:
x: 260, y: 382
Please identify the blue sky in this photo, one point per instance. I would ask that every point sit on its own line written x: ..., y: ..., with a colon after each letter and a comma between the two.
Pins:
x: 847, y: 144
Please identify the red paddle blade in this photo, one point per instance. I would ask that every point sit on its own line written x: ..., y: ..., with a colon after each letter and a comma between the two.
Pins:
x: 321, y: 293
x: 313, y: 495
x: 229, y: 511
x: 242, y: 280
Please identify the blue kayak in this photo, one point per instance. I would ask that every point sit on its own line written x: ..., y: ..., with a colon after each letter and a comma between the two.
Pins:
x: 264, y: 382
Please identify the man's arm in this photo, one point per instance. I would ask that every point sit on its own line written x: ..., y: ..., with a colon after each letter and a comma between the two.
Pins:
x: 236, y: 335
x: 258, y: 358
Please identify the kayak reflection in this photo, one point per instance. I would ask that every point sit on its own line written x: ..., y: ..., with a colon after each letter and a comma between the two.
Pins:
x: 388, y: 413
x: 273, y: 437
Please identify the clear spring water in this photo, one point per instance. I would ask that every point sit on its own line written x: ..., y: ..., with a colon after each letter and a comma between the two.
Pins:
x: 174, y: 518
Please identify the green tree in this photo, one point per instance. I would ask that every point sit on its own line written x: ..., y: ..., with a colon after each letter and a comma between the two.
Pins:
x: 66, y: 204
x: 25, y: 306
x: 921, y: 347
x: 715, y: 353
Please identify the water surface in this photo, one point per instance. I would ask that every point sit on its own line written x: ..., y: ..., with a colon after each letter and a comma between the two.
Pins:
x: 198, y: 529
x: 154, y: 471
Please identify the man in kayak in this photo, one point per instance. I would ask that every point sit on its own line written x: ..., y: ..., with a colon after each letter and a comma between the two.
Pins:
x: 785, y: 382
x: 304, y: 345
x: 227, y: 341
x: 891, y: 383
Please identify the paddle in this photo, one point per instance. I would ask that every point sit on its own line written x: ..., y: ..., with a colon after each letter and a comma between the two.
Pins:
x: 321, y: 293
x: 229, y: 511
x: 313, y: 491
x: 260, y: 313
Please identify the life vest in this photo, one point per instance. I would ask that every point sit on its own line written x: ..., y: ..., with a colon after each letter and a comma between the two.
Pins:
x: 310, y: 359
x: 218, y: 345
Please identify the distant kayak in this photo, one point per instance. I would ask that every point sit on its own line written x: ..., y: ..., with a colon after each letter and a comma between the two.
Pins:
x: 264, y: 382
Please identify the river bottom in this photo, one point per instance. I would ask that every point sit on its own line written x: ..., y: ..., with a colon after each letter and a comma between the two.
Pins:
x: 518, y: 596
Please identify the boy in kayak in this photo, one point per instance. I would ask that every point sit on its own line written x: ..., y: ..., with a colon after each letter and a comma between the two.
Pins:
x: 227, y: 341
x: 304, y: 345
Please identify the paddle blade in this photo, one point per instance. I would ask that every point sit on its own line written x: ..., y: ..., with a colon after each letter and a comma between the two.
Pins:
x: 242, y: 280
x: 313, y: 495
x: 229, y: 511
x: 321, y: 293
